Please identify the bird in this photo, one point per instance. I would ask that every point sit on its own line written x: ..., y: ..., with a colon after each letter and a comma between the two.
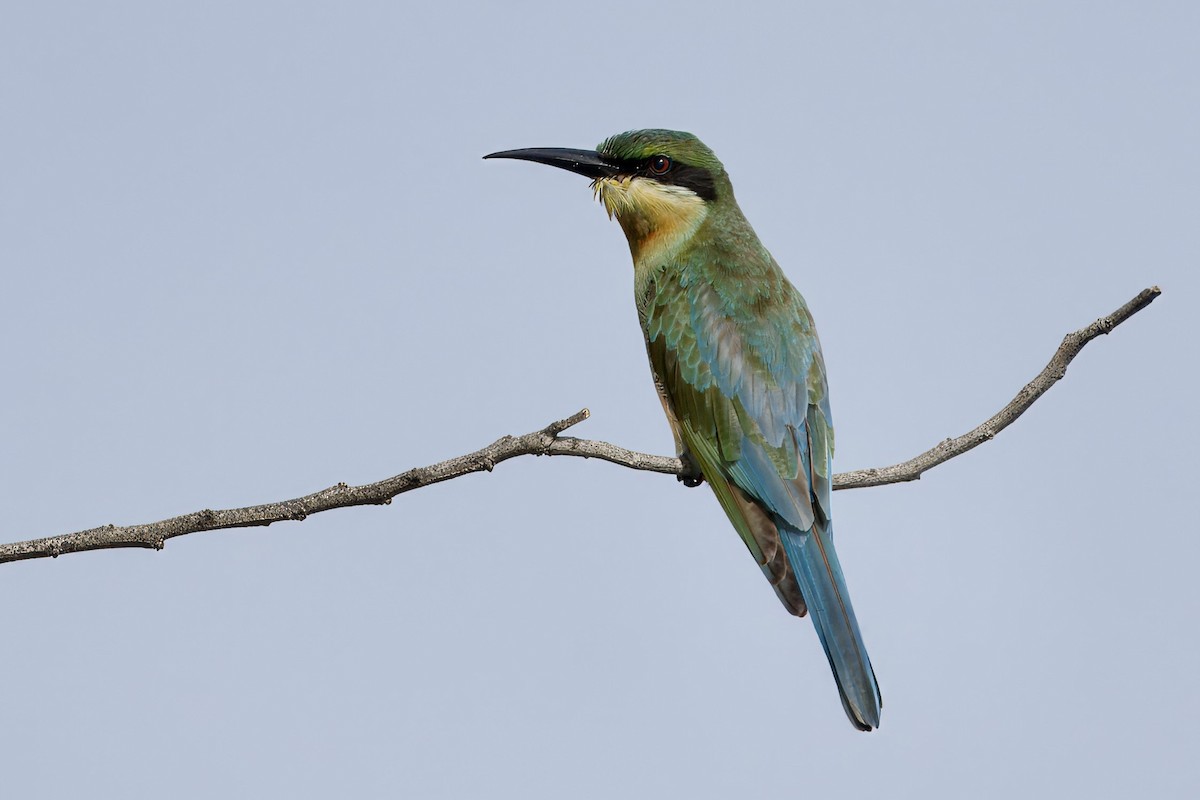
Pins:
x: 738, y: 367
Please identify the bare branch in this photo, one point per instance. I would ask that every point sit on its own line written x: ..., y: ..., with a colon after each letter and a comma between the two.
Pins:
x: 547, y: 442
x: 1053, y: 372
x: 155, y: 534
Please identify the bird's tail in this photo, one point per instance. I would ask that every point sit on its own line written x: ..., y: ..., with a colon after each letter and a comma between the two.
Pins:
x: 819, y: 575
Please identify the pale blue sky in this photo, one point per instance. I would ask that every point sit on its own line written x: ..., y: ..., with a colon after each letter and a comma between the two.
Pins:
x: 250, y: 250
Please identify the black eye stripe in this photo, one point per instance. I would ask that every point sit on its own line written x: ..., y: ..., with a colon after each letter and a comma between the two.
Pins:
x: 698, y: 179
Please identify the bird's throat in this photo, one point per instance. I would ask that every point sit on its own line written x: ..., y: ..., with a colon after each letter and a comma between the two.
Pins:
x: 657, y: 219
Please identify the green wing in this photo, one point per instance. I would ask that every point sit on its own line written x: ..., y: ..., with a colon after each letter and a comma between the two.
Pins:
x: 737, y: 360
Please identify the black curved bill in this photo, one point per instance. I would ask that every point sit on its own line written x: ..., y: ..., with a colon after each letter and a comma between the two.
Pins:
x: 588, y: 163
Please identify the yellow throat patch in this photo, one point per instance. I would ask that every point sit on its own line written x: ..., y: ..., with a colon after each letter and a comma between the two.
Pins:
x: 657, y: 218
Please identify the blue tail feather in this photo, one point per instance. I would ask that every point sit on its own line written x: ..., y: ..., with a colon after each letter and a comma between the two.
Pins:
x: 819, y: 575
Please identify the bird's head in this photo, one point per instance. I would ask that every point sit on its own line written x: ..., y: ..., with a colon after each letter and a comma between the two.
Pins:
x: 659, y: 184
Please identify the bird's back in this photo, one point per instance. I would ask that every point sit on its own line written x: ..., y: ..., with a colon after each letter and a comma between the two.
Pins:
x: 737, y: 360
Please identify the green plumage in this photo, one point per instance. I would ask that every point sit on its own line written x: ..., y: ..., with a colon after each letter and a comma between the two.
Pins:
x: 737, y: 362
x: 730, y: 343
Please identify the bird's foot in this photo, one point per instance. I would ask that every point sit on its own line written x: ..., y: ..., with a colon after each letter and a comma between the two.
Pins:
x: 691, y: 476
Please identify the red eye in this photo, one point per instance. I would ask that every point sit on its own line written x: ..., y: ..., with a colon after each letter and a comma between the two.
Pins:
x: 659, y: 165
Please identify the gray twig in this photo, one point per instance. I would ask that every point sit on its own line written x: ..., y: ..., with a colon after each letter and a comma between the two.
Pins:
x: 1053, y: 372
x: 547, y: 442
